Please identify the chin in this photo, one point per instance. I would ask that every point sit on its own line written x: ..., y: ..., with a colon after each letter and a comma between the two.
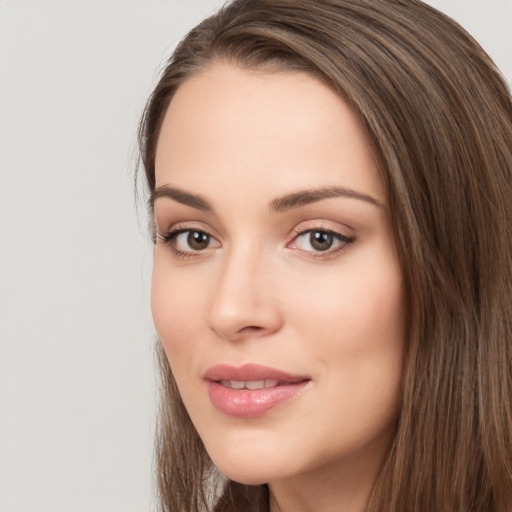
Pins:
x: 247, y: 469
x: 245, y: 477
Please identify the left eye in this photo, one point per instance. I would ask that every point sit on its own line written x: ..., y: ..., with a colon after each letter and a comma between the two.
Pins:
x: 195, y: 240
x: 319, y: 240
x: 190, y: 240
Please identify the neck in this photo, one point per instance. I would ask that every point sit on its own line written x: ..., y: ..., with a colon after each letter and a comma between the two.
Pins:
x: 318, y: 496
x: 345, y: 486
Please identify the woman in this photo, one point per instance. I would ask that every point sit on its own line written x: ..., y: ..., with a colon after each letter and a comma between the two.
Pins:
x: 331, y: 205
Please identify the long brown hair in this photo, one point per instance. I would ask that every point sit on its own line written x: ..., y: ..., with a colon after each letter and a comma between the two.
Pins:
x: 439, y: 118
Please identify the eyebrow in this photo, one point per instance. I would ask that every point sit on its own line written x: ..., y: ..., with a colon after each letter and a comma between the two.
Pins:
x: 186, y: 198
x: 304, y: 197
x: 281, y: 204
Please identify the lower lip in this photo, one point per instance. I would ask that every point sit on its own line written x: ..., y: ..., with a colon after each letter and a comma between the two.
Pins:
x: 250, y: 403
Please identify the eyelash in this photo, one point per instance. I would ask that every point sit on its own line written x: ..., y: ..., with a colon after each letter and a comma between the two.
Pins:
x: 169, y: 239
x: 345, y: 240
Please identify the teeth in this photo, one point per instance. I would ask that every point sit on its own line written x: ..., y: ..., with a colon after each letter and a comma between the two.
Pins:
x: 255, y: 384
x: 249, y: 384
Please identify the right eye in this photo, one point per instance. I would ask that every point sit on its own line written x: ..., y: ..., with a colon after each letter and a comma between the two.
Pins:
x: 185, y: 242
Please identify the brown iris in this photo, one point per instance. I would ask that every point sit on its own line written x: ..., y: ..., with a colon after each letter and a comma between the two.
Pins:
x: 197, y: 240
x: 321, y: 240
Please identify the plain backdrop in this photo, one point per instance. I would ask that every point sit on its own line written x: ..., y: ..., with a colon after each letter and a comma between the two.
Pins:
x: 77, y: 386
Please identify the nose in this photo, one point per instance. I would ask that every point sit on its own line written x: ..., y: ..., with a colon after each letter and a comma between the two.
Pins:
x: 243, y: 304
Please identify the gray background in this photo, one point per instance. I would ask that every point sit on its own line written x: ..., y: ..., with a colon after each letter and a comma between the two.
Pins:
x: 77, y: 388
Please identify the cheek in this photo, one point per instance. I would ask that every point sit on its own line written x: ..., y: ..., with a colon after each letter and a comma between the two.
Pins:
x: 354, y: 326
x: 358, y: 339
x: 175, y: 305
x: 361, y: 308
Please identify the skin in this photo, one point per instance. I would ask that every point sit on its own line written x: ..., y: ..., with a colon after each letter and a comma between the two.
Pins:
x: 260, y: 292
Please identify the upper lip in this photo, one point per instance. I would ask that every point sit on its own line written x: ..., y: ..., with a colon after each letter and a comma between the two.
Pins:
x: 250, y: 372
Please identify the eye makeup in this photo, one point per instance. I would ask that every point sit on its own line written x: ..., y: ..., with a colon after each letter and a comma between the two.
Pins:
x: 312, y: 240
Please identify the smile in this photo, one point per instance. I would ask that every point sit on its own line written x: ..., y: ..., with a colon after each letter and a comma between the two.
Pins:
x: 251, y: 390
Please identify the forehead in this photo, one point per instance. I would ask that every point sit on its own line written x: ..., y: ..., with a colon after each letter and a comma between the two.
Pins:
x: 243, y: 125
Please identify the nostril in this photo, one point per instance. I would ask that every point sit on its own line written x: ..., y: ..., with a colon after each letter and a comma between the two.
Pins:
x: 251, y: 329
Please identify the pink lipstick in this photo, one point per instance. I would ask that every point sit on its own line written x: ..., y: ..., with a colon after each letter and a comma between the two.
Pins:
x: 251, y: 390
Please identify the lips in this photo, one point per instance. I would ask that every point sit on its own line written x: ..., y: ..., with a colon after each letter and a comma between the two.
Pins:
x: 251, y: 390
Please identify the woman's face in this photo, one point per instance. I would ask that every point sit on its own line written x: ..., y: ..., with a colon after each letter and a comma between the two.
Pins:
x: 277, y: 291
